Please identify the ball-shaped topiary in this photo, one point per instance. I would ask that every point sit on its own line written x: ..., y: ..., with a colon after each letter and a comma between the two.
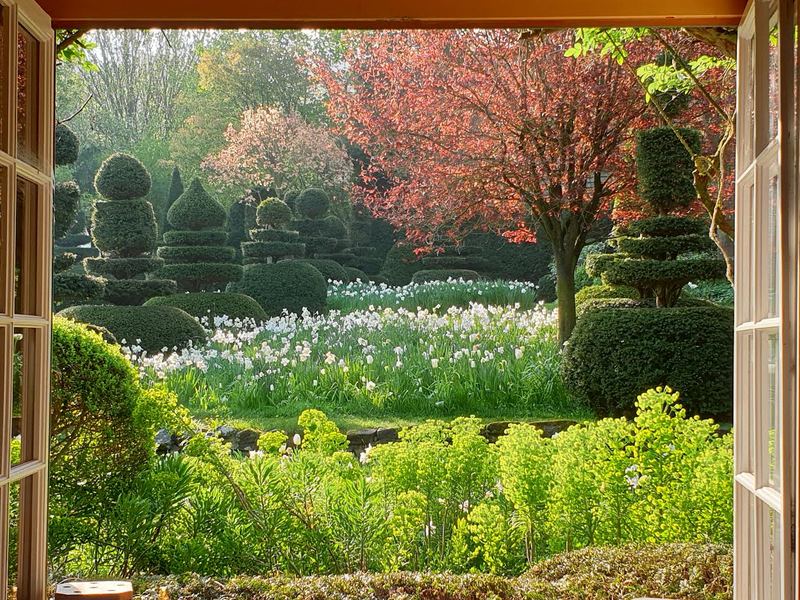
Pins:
x: 313, y: 203
x: 664, y: 167
x: 288, y: 285
x: 196, y: 210
x: 616, y: 353
x: 330, y: 269
x: 66, y: 202
x: 122, y: 177
x: 150, y: 327
x: 67, y: 145
x: 354, y: 275
x: 213, y: 305
x: 273, y: 213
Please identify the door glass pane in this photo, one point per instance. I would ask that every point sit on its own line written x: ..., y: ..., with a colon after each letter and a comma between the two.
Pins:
x: 5, y: 237
x: 769, y: 540
x: 27, y: 97
x: 27, y: 263
x: 13, y: 538
x: 24, y: 397
x: 773, y: 410
x: 771, y: 251
x: 774, y: 81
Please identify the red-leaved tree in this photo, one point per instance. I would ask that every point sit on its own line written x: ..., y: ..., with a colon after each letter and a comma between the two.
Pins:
x: 489, y: 129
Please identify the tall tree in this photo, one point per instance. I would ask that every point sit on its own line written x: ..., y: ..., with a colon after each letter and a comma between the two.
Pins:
x: 489, y: 129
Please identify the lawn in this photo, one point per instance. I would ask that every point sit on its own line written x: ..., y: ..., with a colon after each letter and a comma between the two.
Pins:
x: 381, y: 357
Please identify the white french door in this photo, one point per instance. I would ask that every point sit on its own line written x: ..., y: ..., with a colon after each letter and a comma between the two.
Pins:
x: 765, y: 394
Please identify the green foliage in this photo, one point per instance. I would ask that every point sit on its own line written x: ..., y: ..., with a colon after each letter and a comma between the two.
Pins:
x: 212, y: 305
x: 445, y: 275
x: 256, y: 252
x: 455, y: 263
x: 66, y: 202
x: 201, y: 275
x: 333, y: 226
x: 664, y: 167
x: 665, y: 248
x: 175, y: 192
x: 274, y: 235
x: 330, y: 269
x: 191, y: 254
x: 285, y: 286
x: 650, y: 273
x: 196, y: 210
x: 124, y: 229
x: 313, y: 203
x: 67, y: 145
x: 354, y: 275
x: 206, y: 237
x: 401, y: 264
x: 133, y: 292
x: 666, y: 226
x: 615, y: 353
x: 603, y: 291
x: 273, y: 213
x: 513, y: 262
x: 122, y: 177
x: 149, y: 327
x: 719, y: 291
x: 76, y: 288
x: 121, y: 268
x: 235, y: 226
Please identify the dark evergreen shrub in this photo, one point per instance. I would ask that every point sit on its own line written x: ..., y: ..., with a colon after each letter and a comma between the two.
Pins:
x: 284, y: 286
x: 546, y: 289
x: 201, y: 275
x: 379, y: 279
x: 312, y: 203
x: 175, y: 191
x: 332, y: 226
x: 191, y: 254
x: 81, y: 253
x: 400, y: 265
x: 274, y: 235
x: 66, y: 145
x: 122, y: 177
x: 719, y: 291
x: 66, y: 201
x: 452, y: 261
x: 196, y: 210
x: 74, y: 239
x: 320, y: 245
x: 76, y: 288
x: 371, y: 265
x: 445, y: 274
x: 132, y: 292
x: 213, y: 304
x: 602, y: 291
x: 666, y: 226
x: 273, y: 213
x: 354, y: 274
x: 263, y: 251
x: 124, y: 229
x: 235, y: 227
x: 122, y: 268
x: 151, y: 327
x: 290, y: 198
x: 208, y: 237
x: 330, y: 269
x: 513, y: 262
x: 615, y: 354
x: 664, y: 167
x: 665, y: 248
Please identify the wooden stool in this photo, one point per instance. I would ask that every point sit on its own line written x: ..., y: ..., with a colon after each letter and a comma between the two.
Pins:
x: 95, y: 590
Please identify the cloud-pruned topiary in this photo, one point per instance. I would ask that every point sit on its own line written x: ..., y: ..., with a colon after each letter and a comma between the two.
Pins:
x: 271, y: 240
x: 213, y: 304
x: 273, y: 214
x: 151, y: 327
x: 664, y: 167
x: 195, y: 253
x: 122, y: 177
x: 288, y: 285
x: 124, y: 230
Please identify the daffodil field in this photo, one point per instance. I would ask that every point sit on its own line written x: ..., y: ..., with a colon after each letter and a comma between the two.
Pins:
x: 437, y: 349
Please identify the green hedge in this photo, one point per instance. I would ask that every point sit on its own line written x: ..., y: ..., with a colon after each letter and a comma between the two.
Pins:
x: 202, y: 275
x: 354, y: 274
x: 471, y: 263
x: 287, y: 285
x: 151, y: 327
x: 213, y: 304
x: 122, y: 177
x: 320, y: 245
x: 67, y: 145
x: 80, y: 252
x: 66, y: 201
x: 76, y: 288
x: 369, y: 264
x: 196, y: 210
x: 330, y: 269
x: 273, y: 213
x: 596, y: 264
x: 665, y: 248
x: 649, y: 272
x: 400, y: 265
x: 124, y: 229
x: 312, y: 203
x: 614, y: 354
x: 207, y: 237
x: 664, y: 167
x: 666, y: 226
x: 274, y: 235
x: 132, y: 292
x: 331, y: 226
x: 602, y: 291
x: 260, y: 251
x: 122, y: 268
x: 444, y: 275
x: 191, y: 254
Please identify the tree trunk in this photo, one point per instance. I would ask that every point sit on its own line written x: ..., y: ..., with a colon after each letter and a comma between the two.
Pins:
x: 565, y: 292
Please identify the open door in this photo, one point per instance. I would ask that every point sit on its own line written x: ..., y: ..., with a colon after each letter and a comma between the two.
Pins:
x: 27, y: 62
x: 766, y: 306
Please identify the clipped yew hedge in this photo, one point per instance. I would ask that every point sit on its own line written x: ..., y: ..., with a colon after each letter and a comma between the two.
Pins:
x: 213, y: 304
x: 289, y: 285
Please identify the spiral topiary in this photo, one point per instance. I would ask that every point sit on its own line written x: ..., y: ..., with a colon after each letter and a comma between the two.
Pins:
x: 195, y: 254
x: 124, y: 230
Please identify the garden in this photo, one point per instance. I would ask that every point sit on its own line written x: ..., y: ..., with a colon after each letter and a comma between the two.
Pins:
x: 394, y: 314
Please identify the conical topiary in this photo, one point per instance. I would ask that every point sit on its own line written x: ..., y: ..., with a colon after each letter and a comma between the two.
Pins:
x: 124, y: 230
x: 175, y: 191
x: 195, y: 253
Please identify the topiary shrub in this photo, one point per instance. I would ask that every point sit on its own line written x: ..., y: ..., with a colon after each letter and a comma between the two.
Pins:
x: 175, y: 191
x: 664, y: 168
x: 444, y: 275
x: 284, y: 286
x: 400, y: 265
x: 603, y: 291
x: 273, y: 214
x: 213, y: 304
x: 354, y: 274
x: 124, y: 229
x: 122, y: 268
x: 330, y: 269
x: 76, y: 288
x: 312, y: 203
x: 195, y: 254
x: 133, y: 292
x: 151, y: 327
x: 615, y: 354
x: 66, y: 145
x: 122, y: 177
x: 272, y: 241
x: 66, y: 202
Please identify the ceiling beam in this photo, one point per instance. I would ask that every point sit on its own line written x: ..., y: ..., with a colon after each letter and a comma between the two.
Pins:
x: 388, y: 13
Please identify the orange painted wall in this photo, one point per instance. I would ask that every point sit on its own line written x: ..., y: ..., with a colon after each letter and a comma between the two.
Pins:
x: 389, y: 13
